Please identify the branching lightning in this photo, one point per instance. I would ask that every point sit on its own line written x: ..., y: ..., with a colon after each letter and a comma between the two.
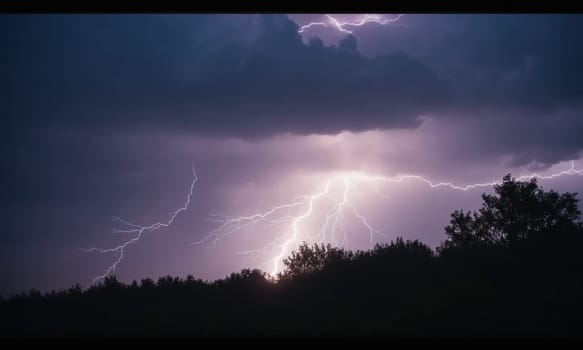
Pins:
x: 329, y: 208
x: 331, y: 226
x: 341, y: 25
x: 138, y: 231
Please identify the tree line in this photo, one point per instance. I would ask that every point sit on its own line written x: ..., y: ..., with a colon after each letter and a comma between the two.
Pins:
x: 514, y: 267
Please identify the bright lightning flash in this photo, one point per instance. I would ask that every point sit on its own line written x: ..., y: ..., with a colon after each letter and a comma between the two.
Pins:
x: 341, y: 25
x: 301, y: 208
x: 335, y: 193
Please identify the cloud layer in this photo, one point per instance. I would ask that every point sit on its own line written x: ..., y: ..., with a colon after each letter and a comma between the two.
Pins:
x: 246, y: 76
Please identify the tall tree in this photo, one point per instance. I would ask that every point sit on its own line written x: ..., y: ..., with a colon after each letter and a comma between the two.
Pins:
x: 516, y: 211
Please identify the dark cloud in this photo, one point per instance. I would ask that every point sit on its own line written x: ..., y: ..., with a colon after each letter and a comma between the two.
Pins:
x: 252, y: 76
x: 517, y: 79
x: 226, y: 75
x: 511, y: 84
x: 527, y: 63
x: 519, y: 83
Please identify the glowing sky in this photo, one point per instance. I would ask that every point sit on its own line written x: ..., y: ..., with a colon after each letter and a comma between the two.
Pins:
x: 103, y: 116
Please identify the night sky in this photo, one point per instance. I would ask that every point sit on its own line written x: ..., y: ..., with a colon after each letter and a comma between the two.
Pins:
x: 103, y: 116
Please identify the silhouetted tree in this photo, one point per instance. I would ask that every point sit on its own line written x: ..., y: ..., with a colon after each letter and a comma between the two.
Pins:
x: 246, y: 277
x: 168, y: 282
x: 310, y: 259
x: 111, y: 283
x: 517, y: 210
x: 399, y: 248
x: 147, y: 283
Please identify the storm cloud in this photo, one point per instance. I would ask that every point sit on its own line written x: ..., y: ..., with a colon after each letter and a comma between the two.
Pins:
x: 235, y: 75
x: 517, y: 79
x: 253, y: 76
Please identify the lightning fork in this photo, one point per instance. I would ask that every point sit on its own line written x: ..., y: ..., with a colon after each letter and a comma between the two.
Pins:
x: 139, y: 230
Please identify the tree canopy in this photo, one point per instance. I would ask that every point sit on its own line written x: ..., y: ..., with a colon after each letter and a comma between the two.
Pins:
x: 516, y: 211
x: 311, y: 259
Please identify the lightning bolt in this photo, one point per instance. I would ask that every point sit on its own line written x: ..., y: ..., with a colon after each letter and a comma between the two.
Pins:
x: 340, y: 25
x: 302, y: 208
x: 296, y: 213
x: 138, y: 231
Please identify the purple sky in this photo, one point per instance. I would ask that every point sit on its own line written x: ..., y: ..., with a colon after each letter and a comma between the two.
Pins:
x: 105, y: 114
